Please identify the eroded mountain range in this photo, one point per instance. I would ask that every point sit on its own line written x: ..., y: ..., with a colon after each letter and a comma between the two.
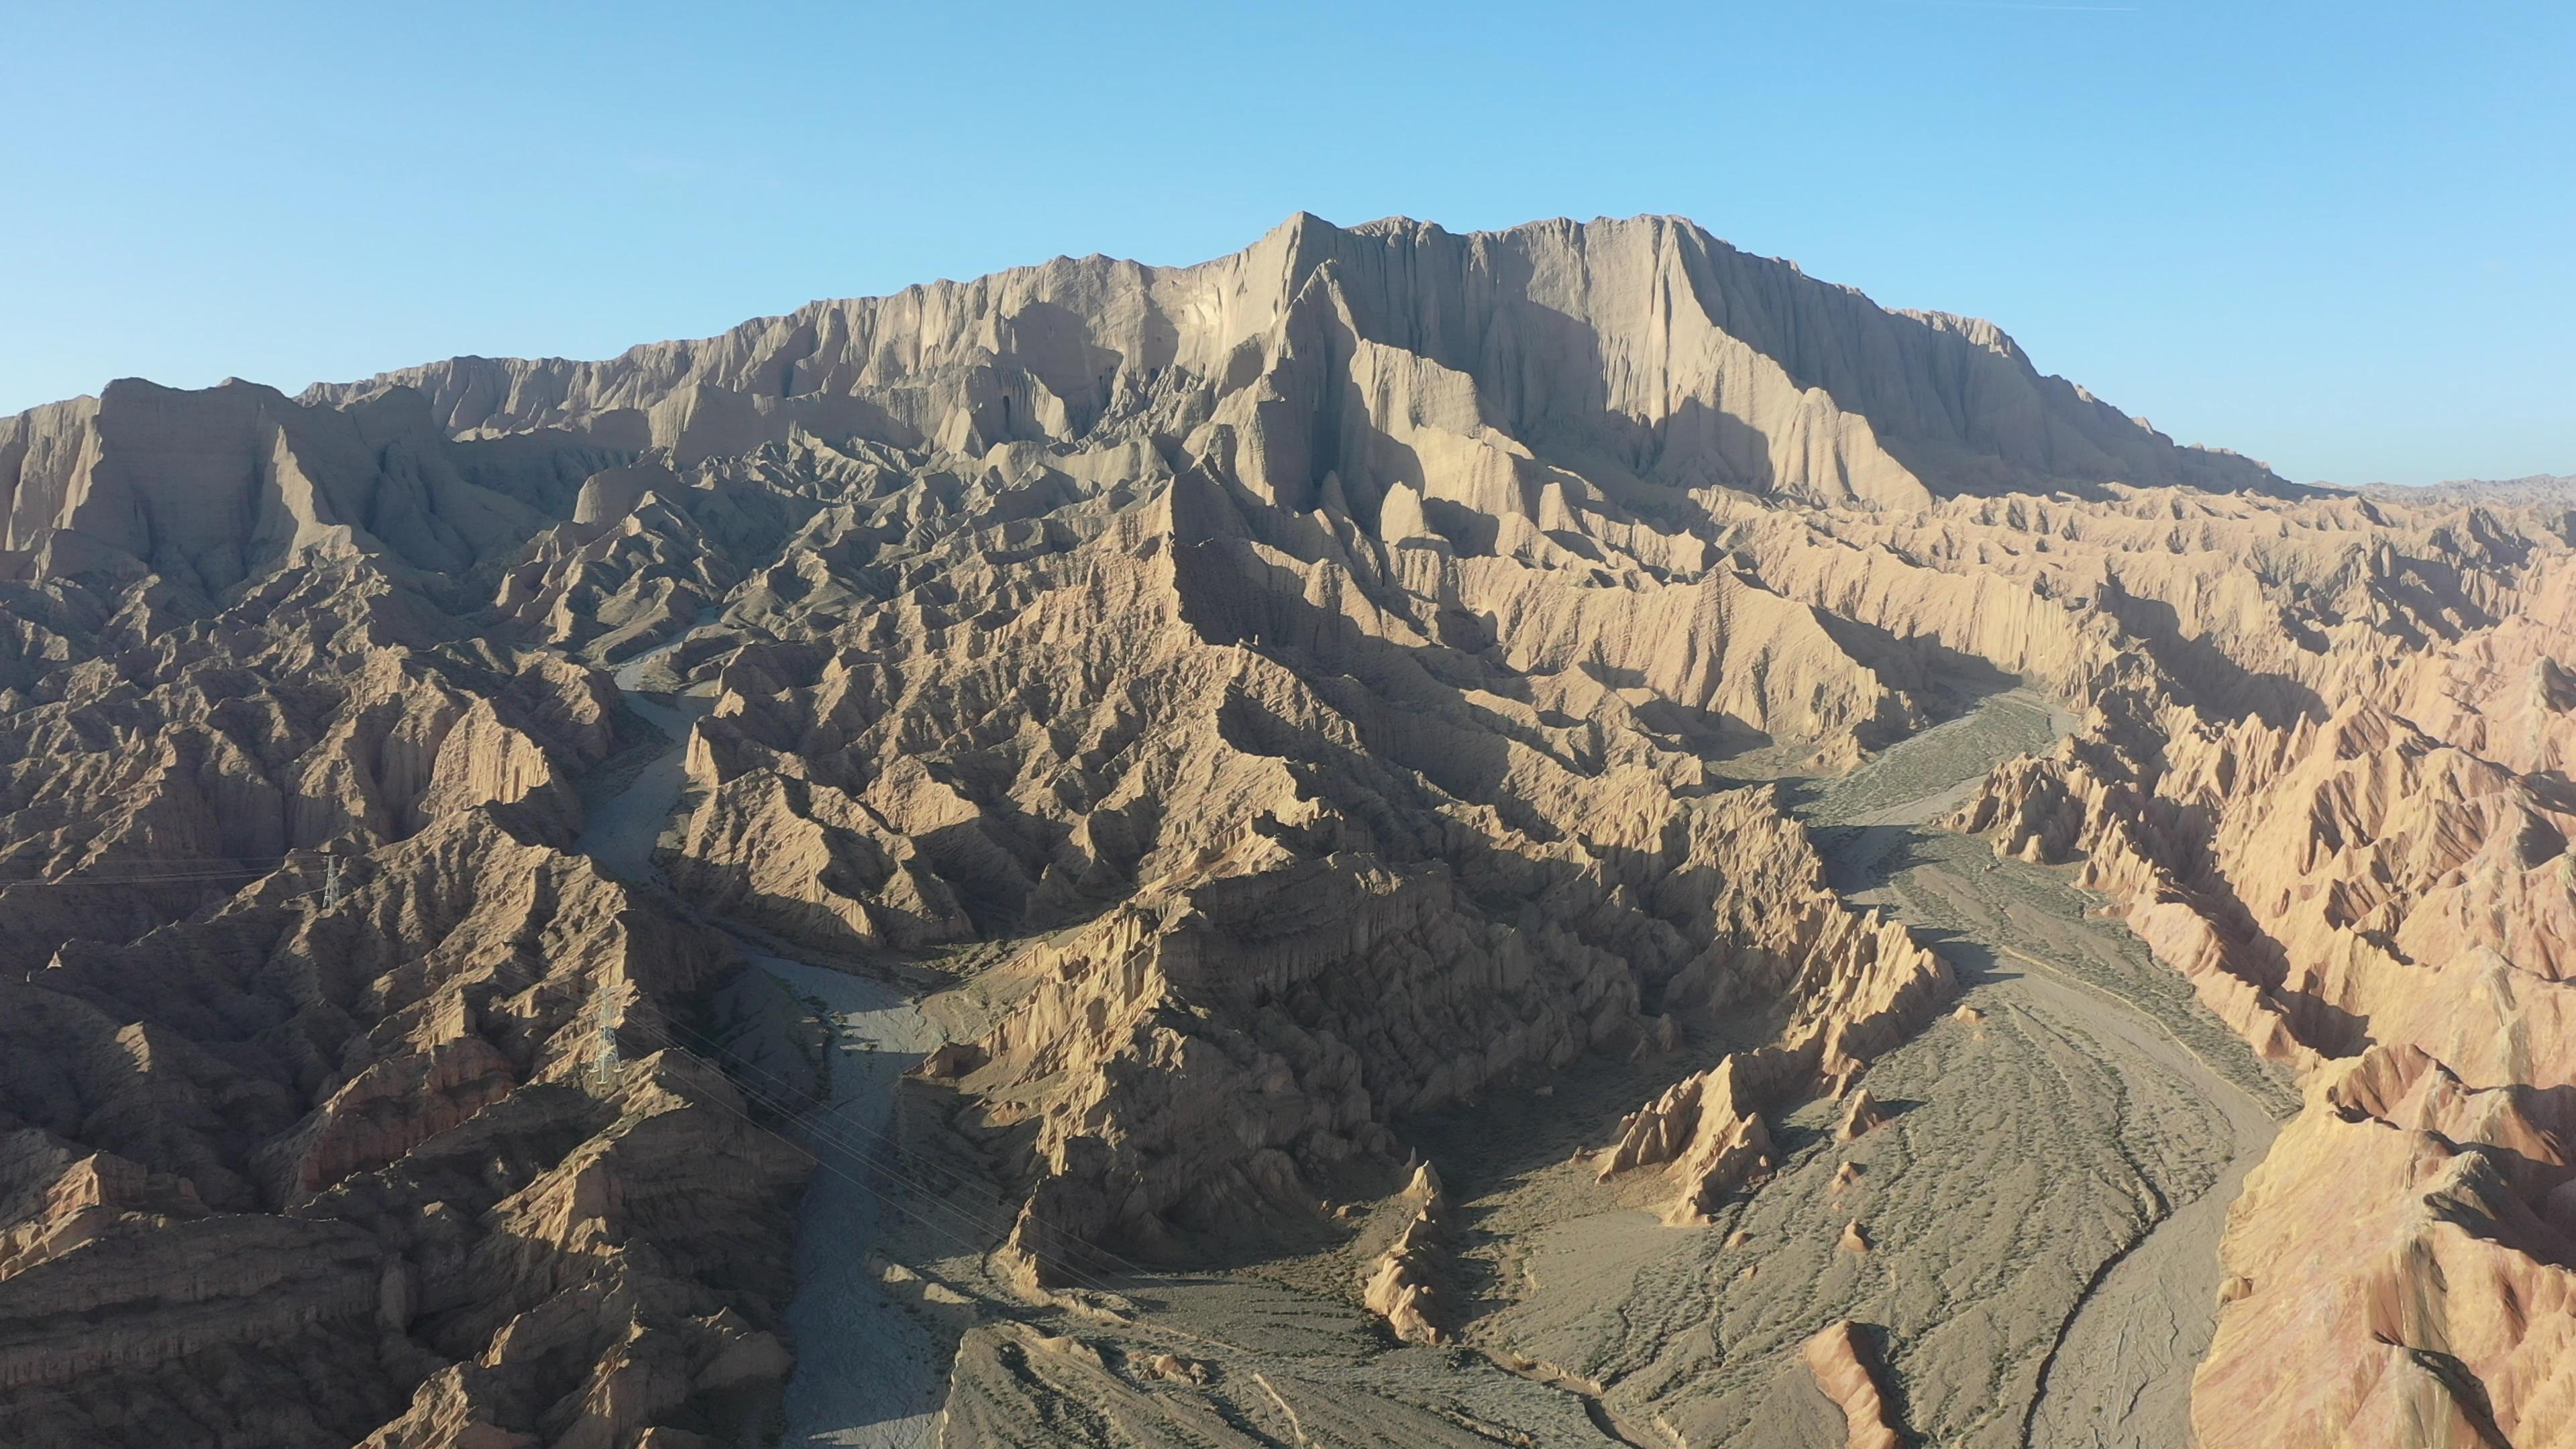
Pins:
x: 1555, y: 836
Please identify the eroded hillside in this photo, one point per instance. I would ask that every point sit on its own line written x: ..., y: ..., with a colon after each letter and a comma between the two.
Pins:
x: 1429, y: 784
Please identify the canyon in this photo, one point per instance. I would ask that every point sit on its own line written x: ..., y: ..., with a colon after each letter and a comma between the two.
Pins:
x: 1555, y: 836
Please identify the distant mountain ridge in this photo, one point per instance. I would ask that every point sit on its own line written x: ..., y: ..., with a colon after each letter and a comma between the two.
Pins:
x: 1280, y: 721
x: 1645, y: 343
x: 1642, y: 354
x: 2531, y: 488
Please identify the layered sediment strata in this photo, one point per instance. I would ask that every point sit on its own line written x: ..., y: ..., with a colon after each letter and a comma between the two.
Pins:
x: 2414, y: 1233
x: 1403, y: 1286
x: 1846, y: 1371
x: 1324, y: 668
x: 373, y: 1142
x: 2373, y: 887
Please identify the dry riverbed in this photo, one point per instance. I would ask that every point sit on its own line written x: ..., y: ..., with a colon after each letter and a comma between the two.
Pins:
x: 2042, y: 1212
x: 870, y: 1373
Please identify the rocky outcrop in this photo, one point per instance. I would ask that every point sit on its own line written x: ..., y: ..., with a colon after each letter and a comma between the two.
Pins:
x: 1402, y: 1285
x: 1282, y: 1014
x: 368, y: 1141
x: 1198, y: 1058
x: 1645, y: 344
x: 1861, y: 1113
x: 1846, y: 1371
x: 2413, y: 1266
x: 325, y: 711
x: 1864, y: 990
x: 1260, y: 626
x: 1713, y: 1141
x: 2303, y: 876
x: 210, y: 489
x: 1321, y: 684
x: 2349, y: 836
x: 57, y: 1198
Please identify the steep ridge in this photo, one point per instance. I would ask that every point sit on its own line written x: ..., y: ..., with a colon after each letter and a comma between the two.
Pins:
x: 1640, y: 351
x: 368, y: 1143
x: 1293, y: 701
x: 2385, y: 907
x: 209, y: 489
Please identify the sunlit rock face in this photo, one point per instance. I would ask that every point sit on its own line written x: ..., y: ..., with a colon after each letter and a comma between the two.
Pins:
x: 1318, y: 689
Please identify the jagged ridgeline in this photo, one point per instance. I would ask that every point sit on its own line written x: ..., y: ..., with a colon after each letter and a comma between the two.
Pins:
x: 1275, y: 711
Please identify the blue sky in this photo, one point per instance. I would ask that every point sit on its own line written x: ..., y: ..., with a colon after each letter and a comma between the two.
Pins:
x: 2340, y: 237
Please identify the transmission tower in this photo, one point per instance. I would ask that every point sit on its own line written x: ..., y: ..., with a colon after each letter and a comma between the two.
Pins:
x: 604, y: 1052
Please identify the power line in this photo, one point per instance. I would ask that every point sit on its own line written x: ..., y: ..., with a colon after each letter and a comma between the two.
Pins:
x: 149, y: 880
x: 146, y: 877
x: 785, y: 1110
x: 1080, y: 1277
x: 156, y: 873
x: 883, y: 1140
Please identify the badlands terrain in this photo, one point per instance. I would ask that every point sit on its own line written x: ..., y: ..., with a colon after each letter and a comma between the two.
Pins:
x: 1556, y: 837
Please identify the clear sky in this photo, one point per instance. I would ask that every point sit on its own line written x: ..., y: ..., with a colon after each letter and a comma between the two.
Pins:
x: 2338, y: 236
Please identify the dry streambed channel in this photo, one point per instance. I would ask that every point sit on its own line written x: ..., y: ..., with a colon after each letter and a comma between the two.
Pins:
x: 867, y: 1374
x: 2178, y: 1091
x: 2042, y: 1211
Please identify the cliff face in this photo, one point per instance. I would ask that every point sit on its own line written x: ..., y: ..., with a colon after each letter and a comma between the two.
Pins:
x: 286, y: 1156
x: 2376, y: 889
x: 1625, y: 351
x: 212, y: 488
x: 1326, y: 686
x: 295, y: 1142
